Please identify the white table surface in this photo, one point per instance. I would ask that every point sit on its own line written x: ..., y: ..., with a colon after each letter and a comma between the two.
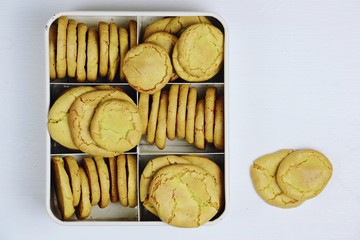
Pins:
x: 294, y: 83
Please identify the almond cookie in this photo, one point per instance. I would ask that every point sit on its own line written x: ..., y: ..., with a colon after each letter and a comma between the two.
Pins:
x: 263, y: 175
x: 52, y: 50
x: 153, y: 117
x: 304, y: 174
x: 144, y: 110
x: 184, y: 195
x: 72, y: 169
x: 81, y: 54
x: 148, y: 173
x: 160, y: 135
x: 58, y: 125
x: 114, y: 56
x: 93, y: 177
x: 81, y: 114
x: 122, y: 180
x: 131, y: 181
x: 178, y: 24
x: 124, y: 48
x: 92, y: 61
x: 147, y: 68
x: 181, y: 111
x: 83, y: 210
x: 132, y: 33
x: 63, y: 189
x: 172, y: 111
x: 114, y: 196
x: 210, y: 98
x: 61, y: 47
x: 116, y: 126
x: 157, y: 26
x: 199, y: 125
x: 103, y: 29
x: 71, y: 48
x: 104, y: 181
x: 190, y: 116
x: 219, y: 123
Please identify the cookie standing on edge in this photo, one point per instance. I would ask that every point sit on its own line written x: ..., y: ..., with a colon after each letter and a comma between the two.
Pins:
x: 83, y: 210
x: 153, y: 117
x: 219, y: 123
x: 160, y: 135
x: 114, y: 196
x: 199, y: 125
x: 71, y: 48
x: 181, y: 111
x: 124, y: 48
x: 144, y: 110
x: 172, y: 111
x: 122, y: 180
x: 132, y: 33
x: 93, y: 177
x: 61, y: 47
x: 114, y: 56
x: 131, y: 180
x: 190, y: 115
x: 52, y: 50
x: 92, y: 62
x: 210, y: 98
x: 81, y: 54
x: 72, y: 169
x: 103, y: 30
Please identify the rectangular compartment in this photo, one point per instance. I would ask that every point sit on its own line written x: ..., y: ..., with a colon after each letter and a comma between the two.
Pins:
x: 115, y: 213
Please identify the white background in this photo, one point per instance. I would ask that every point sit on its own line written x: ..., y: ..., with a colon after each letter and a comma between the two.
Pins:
x: 294, y: 70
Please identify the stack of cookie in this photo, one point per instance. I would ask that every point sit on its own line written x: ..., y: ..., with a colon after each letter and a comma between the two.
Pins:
x: 183, y: 191
x: 177, y: 112
x: 96, y: 181
x: 287, y: 178
x: 86, y: 53
x: 101, y: 121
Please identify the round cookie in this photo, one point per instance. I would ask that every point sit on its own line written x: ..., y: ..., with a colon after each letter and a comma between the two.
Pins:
x: 93, y: 177
x: 151, y: 130
x: 81, y: 114
x: 199, y: 124
x: 263, y: 175
x: 63, y: 189
x: 157, y: 26
x: 184, y: 195
x: 172, y: 111
x: 104, y: 180
x: 132, y: 182
x: 304, y: 174
x: 71, y: 48
x: 72, y: 169
x: 122, y: 180
x: 210, y: 98
x: 178, y: 24
x: 160, y: 135
x: 190, y: 116
x: 114, y: 196
x: 181, y: 111
x: 92, y: 60
x: 124, y: 48
x: 52, y: 50
x: 116, y: 126
x: 61, y: 47
x: 132, y: 33
x: 148, y: 173
x: 147, y: 68
x: 114, y: 56
x: 83, y: 210
x: 58, y: 125
x: 144, y: 110
x: 81, y: 54
x: 219, y: 123
x: 104, y: 39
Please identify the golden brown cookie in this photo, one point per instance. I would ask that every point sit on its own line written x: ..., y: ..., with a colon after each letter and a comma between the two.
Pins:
x: 147, y: 68
x: 199, y: 124
x: 58, y: 123
x: 210, y: 98
x: 72, y: 169
x: 153, y: 117
x: 92, y: 61
x: 132, y: 180
x: 114, y: 56
x: 71, y: 48
x: 81, y: 54
x: 160, y: 135
x: 93, y: 177
x: 181, y: 111
x: 132, y: 33
x: 114, y: 196
x: 190, y: 116
x: 219, y: 123
x: 116, y: 125
x: 83, y: 210
x: 63, y: 189
x: 61, y: 47
x: 103, y: 30
x: 144, y: 110
x: 303, y: 174
x: 124, y: 48
x: 52, y: 50
x: 157, y: 26
x: 184, y: 195
x: 178, y: 24
x: 122, y: 180
x: 172, y: 111
x: 104, y: 181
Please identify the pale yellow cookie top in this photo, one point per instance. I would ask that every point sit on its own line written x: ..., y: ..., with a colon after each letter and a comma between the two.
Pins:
x: 157, y: 26
x: 180, y: 23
